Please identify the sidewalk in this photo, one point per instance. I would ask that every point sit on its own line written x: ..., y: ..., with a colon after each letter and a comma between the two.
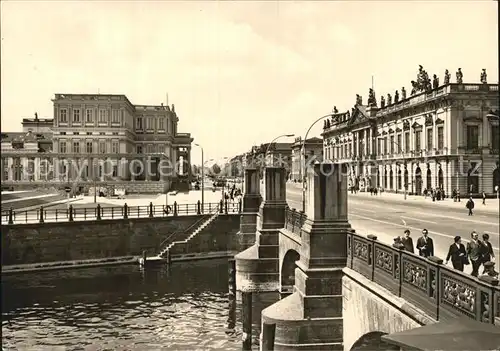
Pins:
x: 492, y: 205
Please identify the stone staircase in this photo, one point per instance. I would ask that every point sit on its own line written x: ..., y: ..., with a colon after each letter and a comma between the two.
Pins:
x: 164, y: 252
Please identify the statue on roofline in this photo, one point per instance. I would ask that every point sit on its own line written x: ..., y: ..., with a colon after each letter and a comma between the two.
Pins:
x: 389, y: 99
x: 371, y: 98
x: 447, y: 77
x: 335, y: 109
x: 396, y: 97
x: 414, y: 87
x: 484, y: 79
x: 435, y: 82
x: 382, y: 102
x: 359, y: 100
x: 403, y: 93
x: 460, y: 76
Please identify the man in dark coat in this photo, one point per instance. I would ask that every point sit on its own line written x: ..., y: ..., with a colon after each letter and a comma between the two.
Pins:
x: 475, y: 253
x: 408, y: 241
x: 457, y: 254
x: 425, y: 245
x: 470, y: 205
x: 487, y: 254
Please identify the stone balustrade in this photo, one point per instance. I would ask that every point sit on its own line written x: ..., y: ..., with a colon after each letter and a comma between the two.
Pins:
x: 294, y: 220
x: 440, y: 291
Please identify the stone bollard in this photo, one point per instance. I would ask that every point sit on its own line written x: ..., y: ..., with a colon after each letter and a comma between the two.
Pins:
x: 175, y: 208
x: 268, y: 334
x: 150, y: 210
x: 70, y: 213
x: 98, y: 212
x: 221, y: 206
x: 11, y: 216
x: 125, y: 211
x: 198, y: 207
x: 41, y: 214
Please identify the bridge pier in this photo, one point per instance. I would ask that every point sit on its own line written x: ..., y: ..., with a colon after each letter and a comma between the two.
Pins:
x: 311, y: 318
x: 257, y: 268
x: 251, y: 202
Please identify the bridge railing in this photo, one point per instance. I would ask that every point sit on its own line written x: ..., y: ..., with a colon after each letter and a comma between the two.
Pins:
x: 99, y: 212
x: 441, y: 292
x: 294, y: 220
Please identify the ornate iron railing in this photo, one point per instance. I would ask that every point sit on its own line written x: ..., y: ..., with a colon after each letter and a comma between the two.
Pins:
x: 441, y: 292
x: 99, y: 212
x: 294, y: 220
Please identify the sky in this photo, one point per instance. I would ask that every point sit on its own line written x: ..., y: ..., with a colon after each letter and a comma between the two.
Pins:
x: 239, y: 73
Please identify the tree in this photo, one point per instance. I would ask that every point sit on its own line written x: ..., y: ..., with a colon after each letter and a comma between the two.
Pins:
x: 215, y: 169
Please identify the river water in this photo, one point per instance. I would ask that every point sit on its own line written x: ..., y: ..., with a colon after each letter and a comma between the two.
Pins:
x: 183, y: 307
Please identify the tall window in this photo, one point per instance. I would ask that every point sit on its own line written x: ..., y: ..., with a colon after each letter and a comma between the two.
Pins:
x: 139, y: 123
x: 89, y: 116
x: 115, y: 171
x: 379, y: 147
x: 161, y: 123
x: 62, y: 147
x: 89, y: 147
x: 63, y: 116
x: 139, y: 149
x: 115, y: 116
x: 114, y: 147
x: 440, y: 138
x: 385, y: 146
x: 103, y: 116
x: 407, y: 142
x: 392, y: 145
x: 418, y: 140
x: 430, y: 144
x: 472, y: 137
x: 76, y: 115
x: 494, y: 137
x: 350, y: 150
x: 399, y: 146
x: 102, y: 147
x: 76, y: 147
x: 150, y: 149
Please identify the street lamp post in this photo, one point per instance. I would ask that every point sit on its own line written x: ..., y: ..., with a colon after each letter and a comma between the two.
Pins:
x: 202, y: 178
x: 303, y: 153
x: 272, y: 141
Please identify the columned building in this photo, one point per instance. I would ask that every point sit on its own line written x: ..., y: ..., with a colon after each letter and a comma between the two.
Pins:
x: 103, y: 138
x: 313, y: 151
x: 441, y: 136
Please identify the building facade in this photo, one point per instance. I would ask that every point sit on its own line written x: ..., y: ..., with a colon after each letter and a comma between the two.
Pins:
x: 441, y: 136
x: 313, y: 150
x: 103, y: 138
x: 270, y: 154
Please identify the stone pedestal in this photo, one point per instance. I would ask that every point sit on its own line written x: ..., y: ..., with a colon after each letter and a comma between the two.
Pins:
x: 257, y: 268
x: 251, y: 202
x: 313, y: 313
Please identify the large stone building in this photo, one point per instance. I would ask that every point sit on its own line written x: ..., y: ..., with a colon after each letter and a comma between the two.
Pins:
x: 313, y: 150
x: 440, y: 136
x: 271, y: 154
x: 100, y: 138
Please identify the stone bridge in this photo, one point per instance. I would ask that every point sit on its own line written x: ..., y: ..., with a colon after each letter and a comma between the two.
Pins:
x: 339, y: 287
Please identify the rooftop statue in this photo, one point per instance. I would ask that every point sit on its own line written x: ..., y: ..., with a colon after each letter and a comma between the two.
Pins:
x: 389, y: 99
x: 447, y: 77
x: 371, y: 98
x: 403, y: 93
x: 382, y: 102
x: 348, y: 114
x: 327, y: 124
x: 359, y: 100
x: 324, y: 123
x: 460, y: 76
x: 396, y: 97
x: 414, y: 87
x: 435, y: 82
x: 335, y: 109
x: 483, y: 77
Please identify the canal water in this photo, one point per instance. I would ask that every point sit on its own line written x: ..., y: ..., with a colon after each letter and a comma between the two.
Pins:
x: 184, y: 307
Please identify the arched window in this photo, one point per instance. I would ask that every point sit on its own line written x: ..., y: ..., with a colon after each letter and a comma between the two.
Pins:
x: 440, y: 179
x: 391, y: 179
x: 429, y: 179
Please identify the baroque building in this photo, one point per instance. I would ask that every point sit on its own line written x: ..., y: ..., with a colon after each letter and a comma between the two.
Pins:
x: 441, y: 136
x: 100, y: 138
x: 313, y: 151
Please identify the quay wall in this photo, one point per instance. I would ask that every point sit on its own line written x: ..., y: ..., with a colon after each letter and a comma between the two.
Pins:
x: 84, y: 240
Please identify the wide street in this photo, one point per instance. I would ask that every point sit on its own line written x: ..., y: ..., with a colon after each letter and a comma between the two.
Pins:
x: 385, y: 216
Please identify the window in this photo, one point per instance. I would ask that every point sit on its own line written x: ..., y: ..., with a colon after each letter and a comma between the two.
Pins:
x: 89, y: 116
x: 103, y: 116
x: 63, y: 116
x: 407, y: 142
x: 76, y: 133
x: 62, y: 147
x: 440, y: 138
x: 392, y: 144
x: 399, y: 144
x: 76, y: 147
x: 430, y: 143
x: 379, y: 146
x: 115, y: 133
x: 114, y: 147
x: 89, y: 133
x: 139, y: 149
x: 494, y: 137
x: 90, y: 147
x: 418, y: 140
x: 115, y: 171
x: 102, y: 133
x: 150, y: 149
x: 472, y: 137
x: 161, y: 123
x: 76, y: 115
x: 139, y: 123
x: 102, y: 147
x: 350, y: 150
x: 115, y: 116
x: 149, y: 123
x: 385, y: 146
x: 63, y: 133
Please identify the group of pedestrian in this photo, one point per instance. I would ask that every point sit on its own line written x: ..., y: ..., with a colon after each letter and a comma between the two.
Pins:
x: 436, y: 194
x: 477, y: 252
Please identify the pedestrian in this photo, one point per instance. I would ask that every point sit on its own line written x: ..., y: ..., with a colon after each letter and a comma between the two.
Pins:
x: 487, y: 251
x: 457, y: 254
x: 425, y: 245
x: 408, y: 241
x: 474, y: 251
x: 458, y: 195
x: 484, y: 198
x: 398, y: 244
x: 470, y: 205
